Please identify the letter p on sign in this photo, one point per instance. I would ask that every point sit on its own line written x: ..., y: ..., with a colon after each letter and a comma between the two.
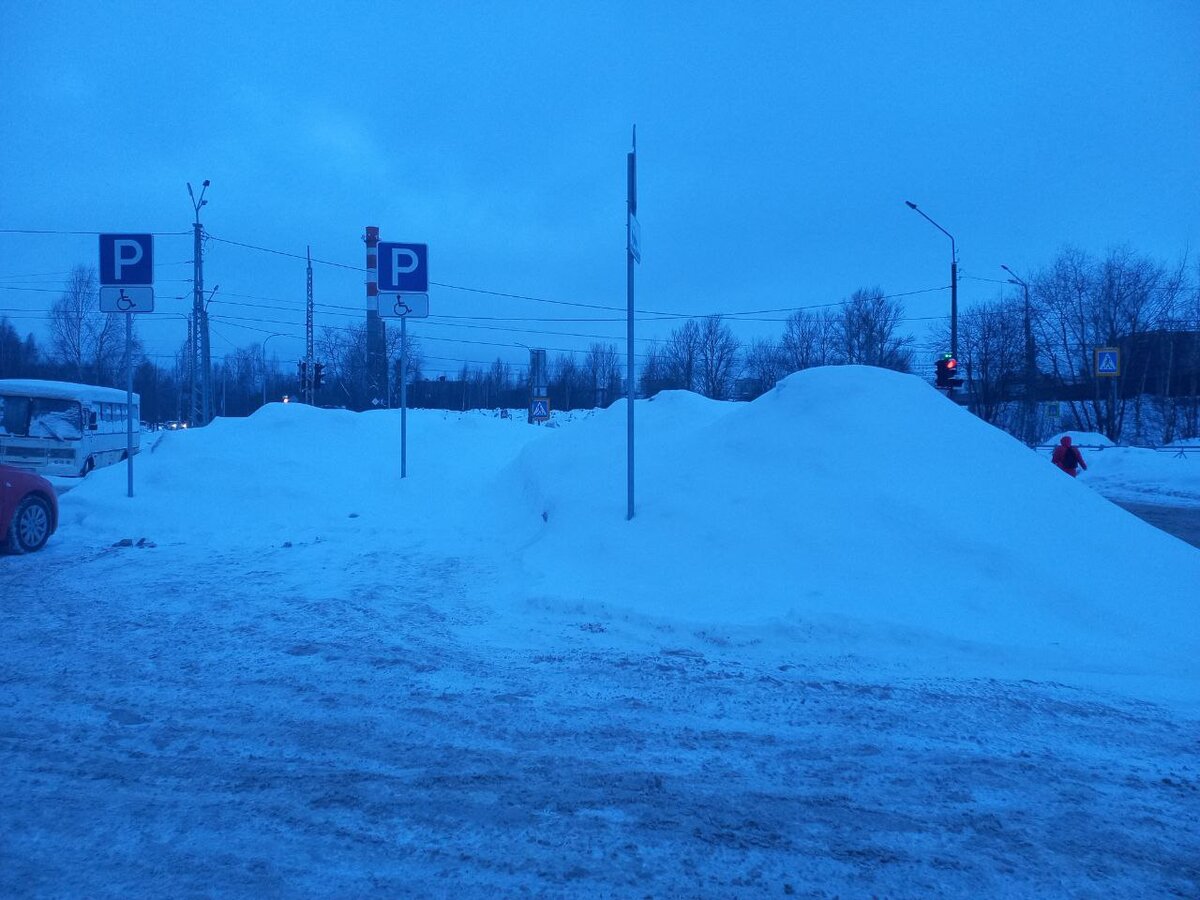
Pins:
x: 126, y: 260
x: 403, y: 268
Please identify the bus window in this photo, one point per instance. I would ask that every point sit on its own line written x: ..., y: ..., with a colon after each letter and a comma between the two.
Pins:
x: 58, y: 419
x: 14, y: 415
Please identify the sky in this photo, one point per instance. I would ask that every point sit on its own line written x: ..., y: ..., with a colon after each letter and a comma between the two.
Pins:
x: 306, y: 676
x: 777, y: 143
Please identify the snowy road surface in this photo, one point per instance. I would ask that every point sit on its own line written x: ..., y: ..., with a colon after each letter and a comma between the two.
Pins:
x: 230, y: 733
x: 788, y: 675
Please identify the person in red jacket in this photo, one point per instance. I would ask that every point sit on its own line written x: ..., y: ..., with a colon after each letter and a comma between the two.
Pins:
x: 1068, y: 458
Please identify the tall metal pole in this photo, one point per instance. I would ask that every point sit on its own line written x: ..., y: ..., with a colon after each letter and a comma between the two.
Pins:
x: 310, y: 377
x: 404, y: 396
x: 630, y: 390
x: 953, y: 278
x: 200, y: 362
x: 1028, y: 434
x: 129, y: 398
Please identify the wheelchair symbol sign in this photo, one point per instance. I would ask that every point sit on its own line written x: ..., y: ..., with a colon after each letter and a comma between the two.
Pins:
x: 126, y: 299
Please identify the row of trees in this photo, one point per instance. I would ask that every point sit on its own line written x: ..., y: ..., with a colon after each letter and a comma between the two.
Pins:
x: 1017, y: 353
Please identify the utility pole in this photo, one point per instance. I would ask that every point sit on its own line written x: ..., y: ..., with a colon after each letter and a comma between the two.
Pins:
x: 308, y: 336
x: 199, y: 362
x: 1028, y: 432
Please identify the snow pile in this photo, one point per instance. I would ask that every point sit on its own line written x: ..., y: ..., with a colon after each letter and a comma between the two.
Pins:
x: 850, y: 510
x: 856, y: 502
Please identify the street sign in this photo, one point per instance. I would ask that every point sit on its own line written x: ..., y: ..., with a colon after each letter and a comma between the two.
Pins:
x: 126, y: 260
x: 126, y: 299
x: 404, y: 306
x: 1108, y: 362
x: 403, y: 268
x: 540, y: 409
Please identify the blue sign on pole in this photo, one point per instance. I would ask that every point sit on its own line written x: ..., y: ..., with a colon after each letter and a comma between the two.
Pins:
x: 403, y: 268
x: 1108, y: 362
x: 126, y: 260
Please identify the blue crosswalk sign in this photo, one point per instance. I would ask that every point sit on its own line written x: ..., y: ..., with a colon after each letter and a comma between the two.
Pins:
x: 541, y: 409
x: 1108, y: 361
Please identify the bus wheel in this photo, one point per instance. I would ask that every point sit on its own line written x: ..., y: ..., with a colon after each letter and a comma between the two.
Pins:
x: 30, y: 526
x: 87, y: 467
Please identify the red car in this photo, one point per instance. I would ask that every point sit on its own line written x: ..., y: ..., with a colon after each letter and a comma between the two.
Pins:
x: 28, y: 510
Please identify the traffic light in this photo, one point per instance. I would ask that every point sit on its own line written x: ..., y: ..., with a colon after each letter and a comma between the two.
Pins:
x: 318, y: 375
x: 303, y: 372
x: 947, y: 372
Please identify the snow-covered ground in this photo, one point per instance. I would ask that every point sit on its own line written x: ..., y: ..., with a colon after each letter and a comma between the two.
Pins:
x: 855, y: 642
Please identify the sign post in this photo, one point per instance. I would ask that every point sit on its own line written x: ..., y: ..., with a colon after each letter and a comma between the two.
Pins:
x: 403, y: 294
x: 127, y: 286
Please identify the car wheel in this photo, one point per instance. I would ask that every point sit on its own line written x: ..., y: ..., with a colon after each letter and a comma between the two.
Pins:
x: 30, y: 526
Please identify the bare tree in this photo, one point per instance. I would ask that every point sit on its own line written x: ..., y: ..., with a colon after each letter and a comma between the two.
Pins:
x: 88, y: 342
x: 654, y: 376
x: 991, y: 350
x: 567, y: 386
x: 1083, y: 303
x: 765, y: 363
x: 603, y: 366
x: 808, y: 340
x: 867, y: 331
x: 718, y: 356
x: 682, y: 355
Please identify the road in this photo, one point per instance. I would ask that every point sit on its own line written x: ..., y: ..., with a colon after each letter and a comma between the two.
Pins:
x: 1181, y: 521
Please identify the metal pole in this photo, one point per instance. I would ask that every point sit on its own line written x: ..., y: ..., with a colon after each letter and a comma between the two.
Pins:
x: 953, y: 300
x: 129, y: 398
x: 196, y: 412
x: 630, y: 212
x: 308, y: 336
x: 403, y: 397
x: 953, y: 279
x: 1029, y: 431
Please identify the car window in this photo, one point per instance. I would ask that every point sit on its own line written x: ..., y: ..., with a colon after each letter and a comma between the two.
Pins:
x: 14, y: 415
x: 61, y: 419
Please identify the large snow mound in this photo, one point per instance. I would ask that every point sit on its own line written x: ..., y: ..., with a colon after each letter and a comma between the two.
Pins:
x: 857, y: 496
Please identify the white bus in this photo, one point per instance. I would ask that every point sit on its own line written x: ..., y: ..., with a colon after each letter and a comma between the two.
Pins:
x: 59, y: 428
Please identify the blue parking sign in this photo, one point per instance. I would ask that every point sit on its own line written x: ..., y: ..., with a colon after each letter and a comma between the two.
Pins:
x: 403, y: 268
x: 126, y: 260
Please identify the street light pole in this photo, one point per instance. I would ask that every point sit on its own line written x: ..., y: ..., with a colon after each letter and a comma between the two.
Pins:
x: 953, y: 278
x: 1030, y: 357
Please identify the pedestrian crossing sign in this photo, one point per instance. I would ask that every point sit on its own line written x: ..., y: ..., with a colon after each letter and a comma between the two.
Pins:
x: 540, y: 409
x: 1108, y: 362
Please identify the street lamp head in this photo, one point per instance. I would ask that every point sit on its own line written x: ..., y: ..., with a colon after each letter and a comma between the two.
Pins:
x: 910, y: 204
x: 1013, y: 281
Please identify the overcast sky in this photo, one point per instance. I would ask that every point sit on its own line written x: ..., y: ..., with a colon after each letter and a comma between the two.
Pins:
x: 777, y: 144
